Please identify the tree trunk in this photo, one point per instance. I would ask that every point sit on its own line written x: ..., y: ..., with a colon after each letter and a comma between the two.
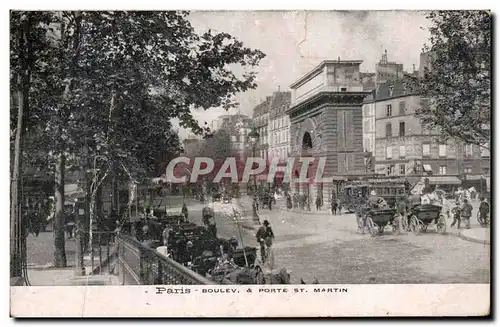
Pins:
x: 59, y: 242
x: 17, y: 226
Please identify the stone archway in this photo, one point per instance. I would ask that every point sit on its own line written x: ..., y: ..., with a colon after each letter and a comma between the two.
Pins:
x: 307, y: 143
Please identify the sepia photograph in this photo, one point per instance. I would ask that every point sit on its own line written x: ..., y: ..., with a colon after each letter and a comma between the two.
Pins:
x: 250, y: 150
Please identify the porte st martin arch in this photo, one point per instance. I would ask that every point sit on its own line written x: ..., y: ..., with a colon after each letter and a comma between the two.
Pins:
x: 326, y: 121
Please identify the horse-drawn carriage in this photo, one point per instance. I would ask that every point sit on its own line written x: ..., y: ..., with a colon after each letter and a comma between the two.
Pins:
x: 420, y: 216
x: 379, y: 218
x: 390, y: 189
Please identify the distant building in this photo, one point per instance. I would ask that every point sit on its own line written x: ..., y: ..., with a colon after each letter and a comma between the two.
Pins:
x: 386, y: 70
x: 279, y: 126
x: 238, y: 126
x: 402, y: 142
x: 261, y: 123
x: 425, y: 63
x: 368, y: 80
x: 192, y: 146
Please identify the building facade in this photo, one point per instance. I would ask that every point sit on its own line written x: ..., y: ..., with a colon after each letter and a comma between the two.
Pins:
x: 279, y: 126
x: 326, y: 121
x: 238, y: 127
x: 387, y: 70
x: 401, y: 141
x: 261, y: 124
x: 369, y: 124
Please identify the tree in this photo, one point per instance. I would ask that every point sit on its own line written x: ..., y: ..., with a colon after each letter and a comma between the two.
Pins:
x: 458, y: 79
x: 110, y: 82
x: 27, y: 44
x: 218, y: 145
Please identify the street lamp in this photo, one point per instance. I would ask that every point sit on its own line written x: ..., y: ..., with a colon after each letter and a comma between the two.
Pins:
x: 254, y: 137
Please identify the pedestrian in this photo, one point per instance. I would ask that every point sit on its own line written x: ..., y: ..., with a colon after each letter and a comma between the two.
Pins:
x: 484, y: 211
x: 70, y: 224
x: 466, y: 213
x: 184, y: 210
x: 209, y: 220
x: 270, y: 201
x: 456, y: 214
x: 318, y: 203
x: 265, y: 237
x: 334, y: 206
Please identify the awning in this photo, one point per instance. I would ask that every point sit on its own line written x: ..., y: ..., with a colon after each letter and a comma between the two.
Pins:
x: 427, y: 168
x: 73, y: 190
x: 443, y: 180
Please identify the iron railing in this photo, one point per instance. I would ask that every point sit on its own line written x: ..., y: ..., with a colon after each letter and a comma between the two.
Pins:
x: 140, y: 264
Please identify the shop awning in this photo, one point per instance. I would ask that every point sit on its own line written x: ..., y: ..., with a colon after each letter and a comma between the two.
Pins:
x: 443, y: 180
x: 427, y: 168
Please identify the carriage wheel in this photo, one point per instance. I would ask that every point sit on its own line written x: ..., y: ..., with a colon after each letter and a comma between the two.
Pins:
x: 381, y: 229
x: 483, y: 222
x: 415, y: 225
x: 441, y: 225
x: 423, y: 228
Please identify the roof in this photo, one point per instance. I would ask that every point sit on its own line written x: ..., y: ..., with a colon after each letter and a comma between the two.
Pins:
x: 318, y: 68
x: 394, y: 89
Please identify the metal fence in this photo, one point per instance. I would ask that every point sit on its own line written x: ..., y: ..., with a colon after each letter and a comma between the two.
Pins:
x: 140, y: 264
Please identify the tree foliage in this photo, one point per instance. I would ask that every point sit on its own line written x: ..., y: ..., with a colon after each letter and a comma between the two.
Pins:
x: 458, y: 79
x: 107, y: 84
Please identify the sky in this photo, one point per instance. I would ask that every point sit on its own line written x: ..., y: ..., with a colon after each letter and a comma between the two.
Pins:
x: 296, y: 41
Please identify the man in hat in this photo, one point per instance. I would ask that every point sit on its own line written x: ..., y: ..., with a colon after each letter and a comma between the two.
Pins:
x: 209, y: 220
x: 456, y: 214
x: 265, y: 238
x: 466, y: 213
x: 484, y: 211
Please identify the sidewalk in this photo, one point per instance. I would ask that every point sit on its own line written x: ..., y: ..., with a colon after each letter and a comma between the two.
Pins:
x: 478, y: 235
x: 40, y: 252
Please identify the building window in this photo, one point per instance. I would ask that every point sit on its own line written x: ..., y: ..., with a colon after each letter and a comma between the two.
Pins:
x: 402, y: 151
x: 442, y: 150
x: 468, y: 170
x: 401, y: 108
x: 343, y: 89
x: 390, y: 170
x: 426, y: 150
x: 402, y: 128
x: 388, y: 130
x: 388, y: 110
x: 388, y: 152
x: 402, y: 169
x: 442, y: 170
x: 468, y: 150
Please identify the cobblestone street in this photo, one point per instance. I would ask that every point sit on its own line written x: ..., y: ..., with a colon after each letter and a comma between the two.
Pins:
x: 329, y: 248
